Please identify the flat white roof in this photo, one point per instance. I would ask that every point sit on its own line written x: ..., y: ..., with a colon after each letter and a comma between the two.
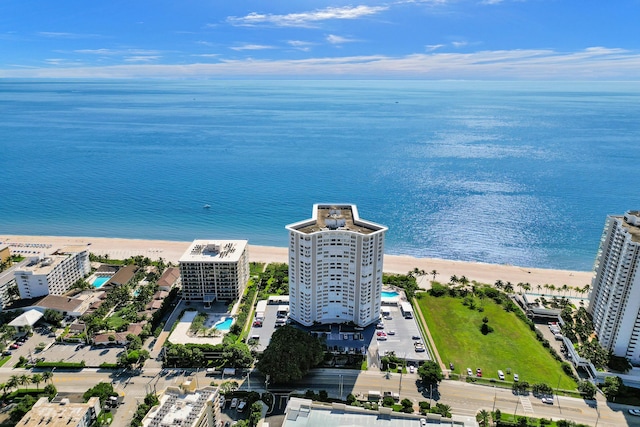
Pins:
x: 214, y: 251
x: 28, y: 318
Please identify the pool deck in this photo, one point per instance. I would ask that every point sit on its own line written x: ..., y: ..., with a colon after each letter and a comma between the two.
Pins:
x: 180, y: 334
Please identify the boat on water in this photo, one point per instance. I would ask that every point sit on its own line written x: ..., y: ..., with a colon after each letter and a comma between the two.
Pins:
x: 206, y: 206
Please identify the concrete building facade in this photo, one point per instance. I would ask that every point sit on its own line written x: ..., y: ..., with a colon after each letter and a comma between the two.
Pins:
x: 61, y: 414
x: 53, y: 274
x: 214, y: 270
x: 615, y: 296
x: 335, y: 267
x: 186, y: 406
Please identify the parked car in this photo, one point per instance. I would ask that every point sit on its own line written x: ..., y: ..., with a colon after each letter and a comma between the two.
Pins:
x: 469, y: 372
x: 451, y: 366
x: 391, y: 333
x: 412, y: 369
x: 241, y: 405
x: 416, y: 337
x: 634, y: 412
x: 234, y: 402
x: 478, y: 372
x: 547, y: 400
x: 501, y: 375
x: 516, y: 378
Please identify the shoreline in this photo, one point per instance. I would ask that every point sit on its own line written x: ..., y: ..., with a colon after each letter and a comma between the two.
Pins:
x: 119, y: 248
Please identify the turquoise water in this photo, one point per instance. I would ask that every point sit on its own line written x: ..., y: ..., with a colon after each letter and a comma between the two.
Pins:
x: 387, y: 294
x: 99, y: 281
x: 520, y: 173
x: 224, y: 325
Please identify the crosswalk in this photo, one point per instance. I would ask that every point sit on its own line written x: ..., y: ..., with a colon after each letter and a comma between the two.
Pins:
x: 526, y: 405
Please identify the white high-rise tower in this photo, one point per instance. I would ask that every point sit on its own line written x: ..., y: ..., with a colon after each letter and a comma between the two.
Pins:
x: 335, y: 267
x: 615, y: 297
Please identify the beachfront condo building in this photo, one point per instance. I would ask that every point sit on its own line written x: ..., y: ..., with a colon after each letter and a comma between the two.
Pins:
x: 615, y: 295
x: 53, y: 274
x: 214, y: 270
x: 335, y: 267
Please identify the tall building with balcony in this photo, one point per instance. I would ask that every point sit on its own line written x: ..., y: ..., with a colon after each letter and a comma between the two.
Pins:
x: 53, y: 274
x: 335, y: 267
x: 615, y: 295
x: 214, y: 270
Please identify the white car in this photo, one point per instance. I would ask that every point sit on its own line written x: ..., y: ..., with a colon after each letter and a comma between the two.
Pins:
x: 547, y: 400
x: 516, y: 378
x: 412, y: 369
x: 234, y: 402
x: 634, y: 412
x: 469, y: 372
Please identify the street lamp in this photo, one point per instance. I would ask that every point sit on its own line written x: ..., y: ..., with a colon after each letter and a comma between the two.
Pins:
x: 341, y: 385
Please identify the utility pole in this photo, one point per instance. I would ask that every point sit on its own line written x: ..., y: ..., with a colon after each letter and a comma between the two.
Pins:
x: 495, y: 395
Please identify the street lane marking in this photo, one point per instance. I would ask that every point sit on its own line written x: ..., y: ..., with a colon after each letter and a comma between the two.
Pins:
x: 526, y: 404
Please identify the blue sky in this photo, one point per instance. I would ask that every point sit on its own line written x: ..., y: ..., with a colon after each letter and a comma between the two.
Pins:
x: 430, y: 39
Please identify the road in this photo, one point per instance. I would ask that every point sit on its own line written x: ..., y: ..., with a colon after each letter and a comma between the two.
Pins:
x: 463, y: 398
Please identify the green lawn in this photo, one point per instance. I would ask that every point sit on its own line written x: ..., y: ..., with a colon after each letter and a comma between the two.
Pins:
x: 116, y: 321
x: 512, y: 345
x: 4, y: 360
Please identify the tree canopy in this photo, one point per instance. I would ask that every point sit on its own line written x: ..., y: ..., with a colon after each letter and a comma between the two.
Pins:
x: 430, y: 372
x: 290, y: 355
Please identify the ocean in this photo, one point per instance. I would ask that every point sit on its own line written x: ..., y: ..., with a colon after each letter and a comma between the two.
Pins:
x: 520, y: 173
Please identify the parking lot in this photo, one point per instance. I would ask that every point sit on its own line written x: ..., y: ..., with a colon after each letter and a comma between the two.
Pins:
x: 92, y: 355
x: 401, y: 335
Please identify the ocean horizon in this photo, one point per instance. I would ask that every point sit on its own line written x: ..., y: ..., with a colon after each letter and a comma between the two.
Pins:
x: 520, y: 173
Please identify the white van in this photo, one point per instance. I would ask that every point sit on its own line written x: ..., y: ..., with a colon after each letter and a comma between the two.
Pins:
x: 501, y: 375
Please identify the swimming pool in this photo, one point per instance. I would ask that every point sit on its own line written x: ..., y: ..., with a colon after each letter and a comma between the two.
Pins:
x: 389, y: 294
x: 224, y: 324
x: 99, y: 281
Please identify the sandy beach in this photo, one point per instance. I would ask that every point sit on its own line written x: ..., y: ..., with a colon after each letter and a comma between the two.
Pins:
x: 172, y: 251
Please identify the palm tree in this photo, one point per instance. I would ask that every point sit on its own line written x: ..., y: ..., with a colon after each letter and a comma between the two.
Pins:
x: 499, y: 284
x: 14, y: 381
x: 586, y: 288
x: 36, y: 379
x: 552, y: 288
x: 434, y: 273
x: 526, y: 287
x: 24, y: 380
x: 47, y: 376
x: 508, y: 288
x: 564, y: 288
x: 482, y: 417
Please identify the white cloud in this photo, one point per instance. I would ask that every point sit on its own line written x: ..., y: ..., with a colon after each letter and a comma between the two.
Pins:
x: 432, y: 47
x: 333, y: 39
x: 459, y: 44
x: 62, y: 35
x: 305, y: 19
x: 252, y: 47
x: 594, y: 63
x: 300, y: 45
x: 114, y: 52
x: 207, y: 55
x: 142, y: 58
